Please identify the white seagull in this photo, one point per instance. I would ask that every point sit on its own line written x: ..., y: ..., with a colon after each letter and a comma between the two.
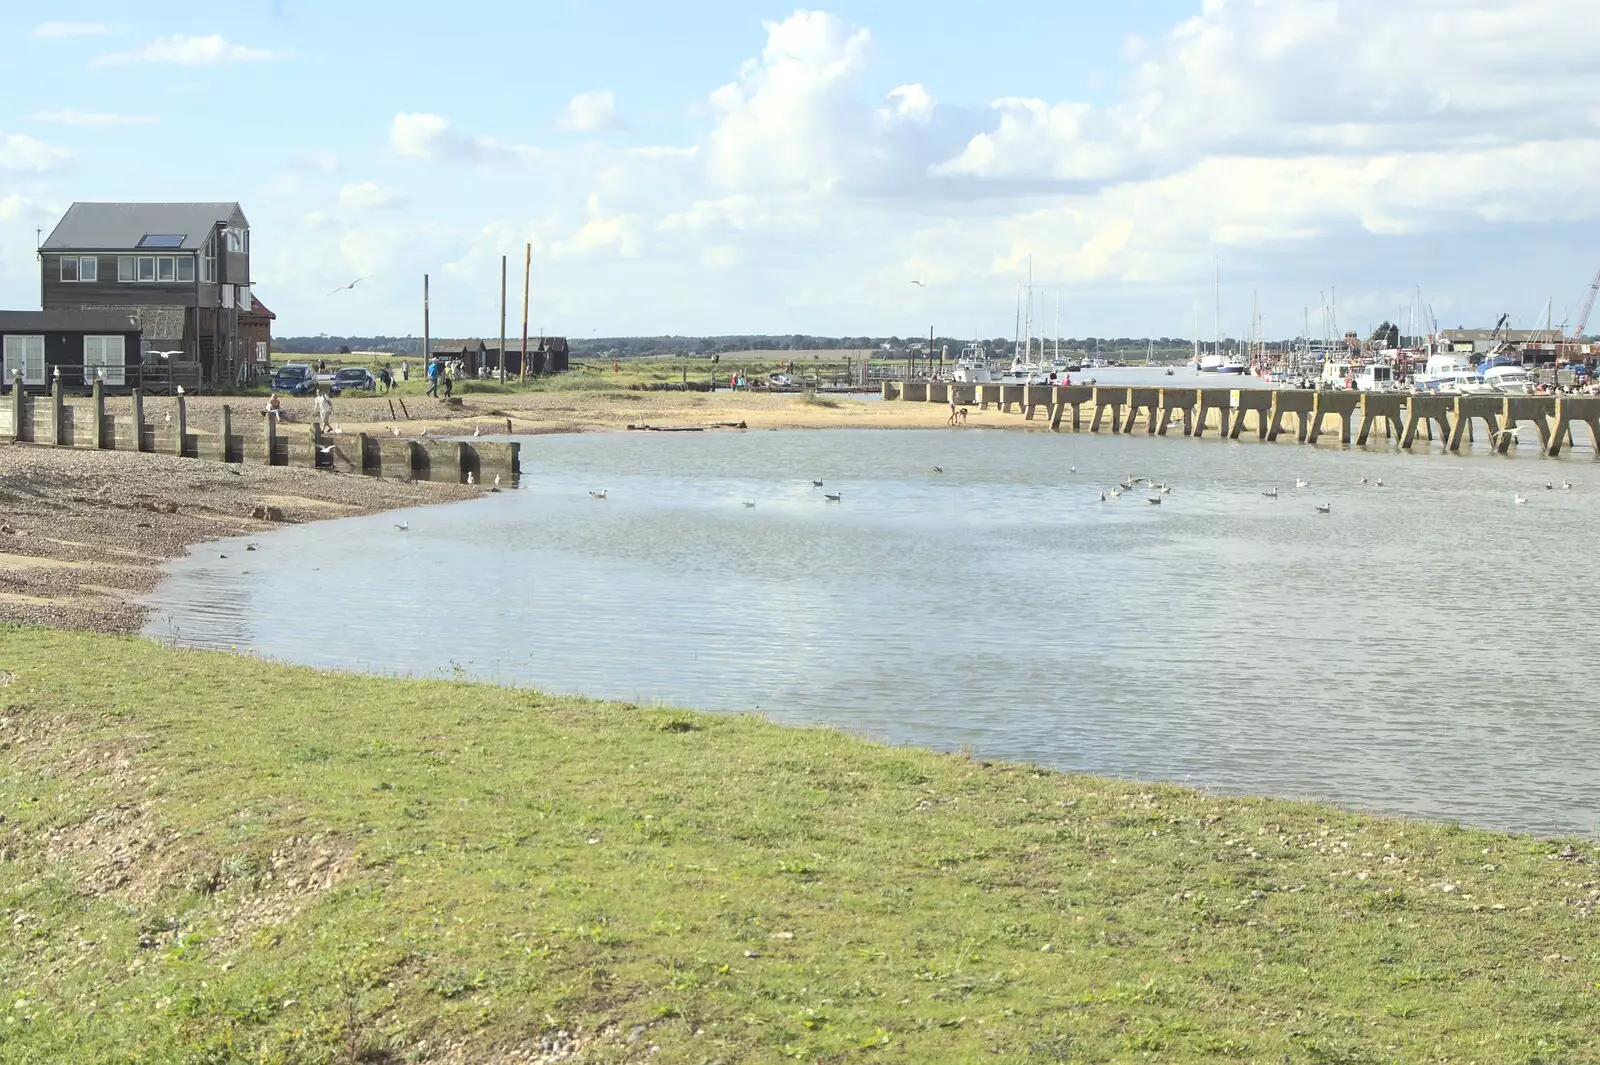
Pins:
x: 601, y: 494
x: 326, y: 449
x: 1271, y: 493
x: 1299, y: 483
x: 833, y: 497
x: 351, y: 285
x: 1521, y: 499
x: 918, y: 282
x: 1325, y: 508
x: 403, y: 526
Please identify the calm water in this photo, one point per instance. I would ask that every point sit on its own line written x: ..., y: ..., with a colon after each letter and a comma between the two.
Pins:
x: 1421, y: 649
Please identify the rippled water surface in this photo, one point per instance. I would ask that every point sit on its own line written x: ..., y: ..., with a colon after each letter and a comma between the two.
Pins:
x: 1420, y: 649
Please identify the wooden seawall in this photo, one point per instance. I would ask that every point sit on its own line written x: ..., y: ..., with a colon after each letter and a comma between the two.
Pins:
x: 1310, y: 415
x: 54, y: 422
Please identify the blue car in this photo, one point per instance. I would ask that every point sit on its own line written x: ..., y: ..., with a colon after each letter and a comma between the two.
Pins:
x: 354, y: 378
x: 294, y: 379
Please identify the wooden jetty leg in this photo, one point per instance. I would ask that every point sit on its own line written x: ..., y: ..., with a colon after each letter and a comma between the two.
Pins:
x: 1408, y: 435
x: 1594, y: 434
x: 1453, y: 440
x: 1166, y: 417
x: 1309, y: 436
x: 1094, y: 423
x: 1133, y: 414
x: 1276, y: 427
x: 1344, y: 428
x: 1502, y: 444
x: 1188, y: 421
x: 1365, y: 430
x: 1055, y: 416
x: 1198, y: 427
x: 1232, y: 433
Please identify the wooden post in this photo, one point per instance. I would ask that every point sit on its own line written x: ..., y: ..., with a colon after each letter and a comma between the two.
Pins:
x: 502, y: 319
x: 138, y: 419
x: 427, y: 344
x: 227, y: 431
x: 57, y: 410
x: 18, y: 406
x: 180, y: 422
x: 269, y: 438
x: 99, y: 415
x: 527, y: 269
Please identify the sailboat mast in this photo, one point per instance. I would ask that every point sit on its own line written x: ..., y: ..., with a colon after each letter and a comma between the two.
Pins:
x: 1219, y: 307
x: 1058, y: 324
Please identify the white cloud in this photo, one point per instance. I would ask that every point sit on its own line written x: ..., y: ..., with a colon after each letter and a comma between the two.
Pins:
x: 51, y: 30
x: 93, y: 119
x: 420, y: 135
x: 186, y: 51
x: 20, y: 152
x: 370, y: 196
x: 589, y: 112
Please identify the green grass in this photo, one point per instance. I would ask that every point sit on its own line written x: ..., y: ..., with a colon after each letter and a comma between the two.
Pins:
x: 210, y: 859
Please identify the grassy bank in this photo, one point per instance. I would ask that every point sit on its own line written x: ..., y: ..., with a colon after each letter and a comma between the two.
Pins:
x: 210, y: 858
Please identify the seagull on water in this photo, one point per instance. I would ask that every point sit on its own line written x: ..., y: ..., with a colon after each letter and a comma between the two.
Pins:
x: 1166, y: 489
x: 1156, y: 500
x: 1521, y: 499
x: 252, y: 547
x: 1325, y: 508
x: 1300, y: 483
x: 749, y: 502
x: 1116, y: 492
x: 832, y: 497
x: 1072, y: 469
x: 1566, y: 484
x: 1380, y: 482
x: 1363, y: 480
x: 938, y: 469
x: 351, y: 285
x: 1271, y: 493
x: 601, y: 494
x: 1102, y: 495
x: 403, y: 526
x: 1549, y: 486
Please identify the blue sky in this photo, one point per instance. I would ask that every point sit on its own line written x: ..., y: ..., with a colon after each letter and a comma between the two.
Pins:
x: 739, y: 167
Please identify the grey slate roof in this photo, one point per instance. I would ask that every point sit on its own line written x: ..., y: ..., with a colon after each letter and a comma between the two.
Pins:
x: 65, y: 322
x: 120, y: 226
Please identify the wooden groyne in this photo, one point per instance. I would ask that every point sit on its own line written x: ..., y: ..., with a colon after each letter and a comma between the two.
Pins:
x: 1268, y: 414
x: 53, y: 421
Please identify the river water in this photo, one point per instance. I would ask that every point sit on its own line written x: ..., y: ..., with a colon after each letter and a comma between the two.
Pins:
x: 1421, y: 649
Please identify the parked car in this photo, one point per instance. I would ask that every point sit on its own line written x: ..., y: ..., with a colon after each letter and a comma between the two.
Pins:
x: 353, y: 377
x: 294, y: 379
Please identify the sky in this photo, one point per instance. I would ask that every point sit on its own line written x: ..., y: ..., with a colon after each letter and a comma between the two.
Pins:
x: 721, y: 167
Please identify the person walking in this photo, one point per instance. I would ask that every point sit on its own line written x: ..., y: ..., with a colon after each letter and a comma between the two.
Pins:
x: 324, y: 411
x: 433, y: 378
x: 449, y: 383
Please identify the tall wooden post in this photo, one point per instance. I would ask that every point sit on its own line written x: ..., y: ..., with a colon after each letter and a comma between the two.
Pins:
x: 98, y: 433
x: 19, y: 408
x: 527, y: 269
x: 180, y: 423
x: 58, y: 409
x: 502, y: 319
x: 138, y: 420
x: 227, y: 431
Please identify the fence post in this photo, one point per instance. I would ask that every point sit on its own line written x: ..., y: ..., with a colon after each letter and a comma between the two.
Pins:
x: 181, y: 424
x: 18, y: 407
x: 227, y: 430
x: 99, y: 415
x: 57, y: 410
x: 138, y: 419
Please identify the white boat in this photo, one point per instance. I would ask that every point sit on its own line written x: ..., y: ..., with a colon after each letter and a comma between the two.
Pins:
x: 1210, y: 363
x: 1511, y: 380
x: 972, y: 367
x: 1232, y: 364
x: 1450, y: 372
x: 1376, y: 377
x: 1336, y: 373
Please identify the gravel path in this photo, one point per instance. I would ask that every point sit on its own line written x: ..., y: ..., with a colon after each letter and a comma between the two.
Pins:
x: 82, y: 533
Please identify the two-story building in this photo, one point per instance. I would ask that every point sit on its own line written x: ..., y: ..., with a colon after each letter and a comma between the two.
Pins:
x: 181, y: 271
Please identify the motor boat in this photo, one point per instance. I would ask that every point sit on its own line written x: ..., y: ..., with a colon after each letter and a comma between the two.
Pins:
x: 1511, y: 380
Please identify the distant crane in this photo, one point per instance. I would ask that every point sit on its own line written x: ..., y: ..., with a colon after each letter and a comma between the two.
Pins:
x: 1588, y: 307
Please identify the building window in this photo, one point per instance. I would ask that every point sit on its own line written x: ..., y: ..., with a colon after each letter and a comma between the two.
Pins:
x: 126, y: 267
x: 25, y: 355
x: 147, y: 268
x: 166, y: 268
x: 208, y: 261
x: 238, y: 239
x: 105, y: 357
x: 80, y: 268
x: 186, y: 269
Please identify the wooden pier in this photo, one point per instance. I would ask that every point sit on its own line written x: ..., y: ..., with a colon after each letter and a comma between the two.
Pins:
x: 53, y: 421
x: 1309, y: 415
